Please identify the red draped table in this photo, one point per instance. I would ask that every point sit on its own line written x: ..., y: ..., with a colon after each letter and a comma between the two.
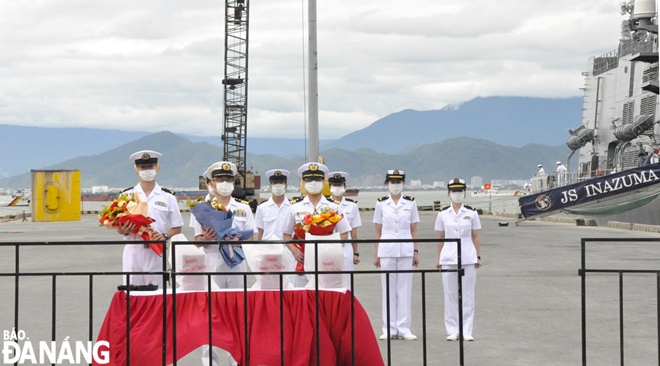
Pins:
x: 229, y: 331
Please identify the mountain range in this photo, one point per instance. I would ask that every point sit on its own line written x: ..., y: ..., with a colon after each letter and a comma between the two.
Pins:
x: 494, y: 137
x: 183, y: 161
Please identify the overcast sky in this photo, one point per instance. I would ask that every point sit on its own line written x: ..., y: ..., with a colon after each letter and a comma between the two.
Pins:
x: 153, y: 65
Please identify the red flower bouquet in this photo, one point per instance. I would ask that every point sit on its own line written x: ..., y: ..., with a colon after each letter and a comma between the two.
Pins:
x: 317, y: 223
x: 128, y: 208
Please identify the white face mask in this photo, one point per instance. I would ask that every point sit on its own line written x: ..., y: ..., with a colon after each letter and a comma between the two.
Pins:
x: 457, y: 197
x: 210, y: 189
x: 224, y: 188
x: 147, y: 175
x: 278, y: 189
x: 314, y: 187
x: 395, y: 188
x: 337, y: 191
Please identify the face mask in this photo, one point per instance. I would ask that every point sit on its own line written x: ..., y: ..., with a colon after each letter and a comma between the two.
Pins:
x: 395, y: 188
x: 210, y: 189
x: 456, y: 197
x: 147, y: 175
x: 224, y: 188
x: 278, y: 189
x: 337, y: 191
x: 314, y: 187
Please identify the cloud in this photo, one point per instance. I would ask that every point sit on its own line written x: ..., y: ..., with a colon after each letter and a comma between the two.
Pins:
x: 154, y: 65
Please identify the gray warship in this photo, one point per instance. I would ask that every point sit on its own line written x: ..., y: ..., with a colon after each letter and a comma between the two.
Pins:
x: 615, y: 178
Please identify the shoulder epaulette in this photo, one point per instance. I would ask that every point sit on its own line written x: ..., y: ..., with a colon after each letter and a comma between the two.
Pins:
x: 350, y: 200
x: 409, y: 198
x: 383, y: 198
x: 262, y: 202
x: 445, y: 208
x: 167, y: 190
x: 469, y: 207
x: 239, y: 200
x: 127, y: 189
x: 295, y: 200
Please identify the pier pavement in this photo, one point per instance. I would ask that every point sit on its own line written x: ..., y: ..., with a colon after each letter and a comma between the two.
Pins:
x: 527, y: 296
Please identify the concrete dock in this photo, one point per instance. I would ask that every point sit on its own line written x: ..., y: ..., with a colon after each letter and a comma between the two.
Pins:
x: 527, y: 297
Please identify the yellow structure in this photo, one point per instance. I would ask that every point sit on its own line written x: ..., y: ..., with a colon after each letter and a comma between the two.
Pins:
x: 55, y: 195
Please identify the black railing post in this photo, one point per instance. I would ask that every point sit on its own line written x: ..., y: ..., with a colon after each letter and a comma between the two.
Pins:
x: 424, y: 317
x: 245, y: 320
x: 460, y: 273
x: 16, y: 286
x: 352, y: 322
x: 174, y: 332
x: 583, y: 310
x: 91, y: 308
x: 210, y: 306
x: 282, y: 318
x: 128, y: 320
x: 621, y: 353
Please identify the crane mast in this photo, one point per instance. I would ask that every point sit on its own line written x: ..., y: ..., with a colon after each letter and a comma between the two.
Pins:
x: 234, y: 135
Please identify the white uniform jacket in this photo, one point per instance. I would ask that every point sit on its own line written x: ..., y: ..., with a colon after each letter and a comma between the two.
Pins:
x: 396, y: 220
x: 269, y: 217
x: 303, y: 207
x: 243, y: 218
x: 458, y: 225
x: 351, y: 213
x: 163, y: 207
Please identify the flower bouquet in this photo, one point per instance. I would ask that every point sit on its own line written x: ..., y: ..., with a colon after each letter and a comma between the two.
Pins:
x: 317, y: 223
x: 212, y: 214
x: 129, y: 208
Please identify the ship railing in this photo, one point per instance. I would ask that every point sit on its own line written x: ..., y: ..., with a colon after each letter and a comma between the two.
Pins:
x: 602, y: 301
x: 555, y: 180
x: 541, y: 183
x: 70, y: 301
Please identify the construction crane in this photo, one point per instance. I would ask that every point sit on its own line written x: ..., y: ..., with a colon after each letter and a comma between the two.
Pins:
x: 234, y: 135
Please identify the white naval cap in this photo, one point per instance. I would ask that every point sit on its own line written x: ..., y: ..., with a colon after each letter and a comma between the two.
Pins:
x: 540, y: 165
x: 337, y: 177
x: 145, y: 157
x: 221, y: 169
x: 308, y: 170
x: 559, y: 163
x: 277, y: 175
x: 395, y: 174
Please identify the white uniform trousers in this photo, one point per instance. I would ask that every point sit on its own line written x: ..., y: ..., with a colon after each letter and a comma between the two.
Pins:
x: 450, y: 285
x: 348, y: 264
x: 217, y: 264
x: 137, y: 258
x: 400, y: 295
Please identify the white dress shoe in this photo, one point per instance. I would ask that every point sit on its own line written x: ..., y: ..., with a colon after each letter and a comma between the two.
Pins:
x: 409, y: 337
x: 452, y: 337
x: 468, y: 338
x: 383, y: 337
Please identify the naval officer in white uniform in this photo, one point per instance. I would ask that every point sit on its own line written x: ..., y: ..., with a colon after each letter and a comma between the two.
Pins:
x: 313, y: 176
x: 396, y: 217
x: 222, y: 175
x: 458, y: 221
x: 271, y: 212
x: 221, y: 178
x: 337, y: 182
x: 162, y: 207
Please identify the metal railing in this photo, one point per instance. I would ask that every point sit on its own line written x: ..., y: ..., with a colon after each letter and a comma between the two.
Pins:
x: 620, y: 272
x: 169, y: 325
